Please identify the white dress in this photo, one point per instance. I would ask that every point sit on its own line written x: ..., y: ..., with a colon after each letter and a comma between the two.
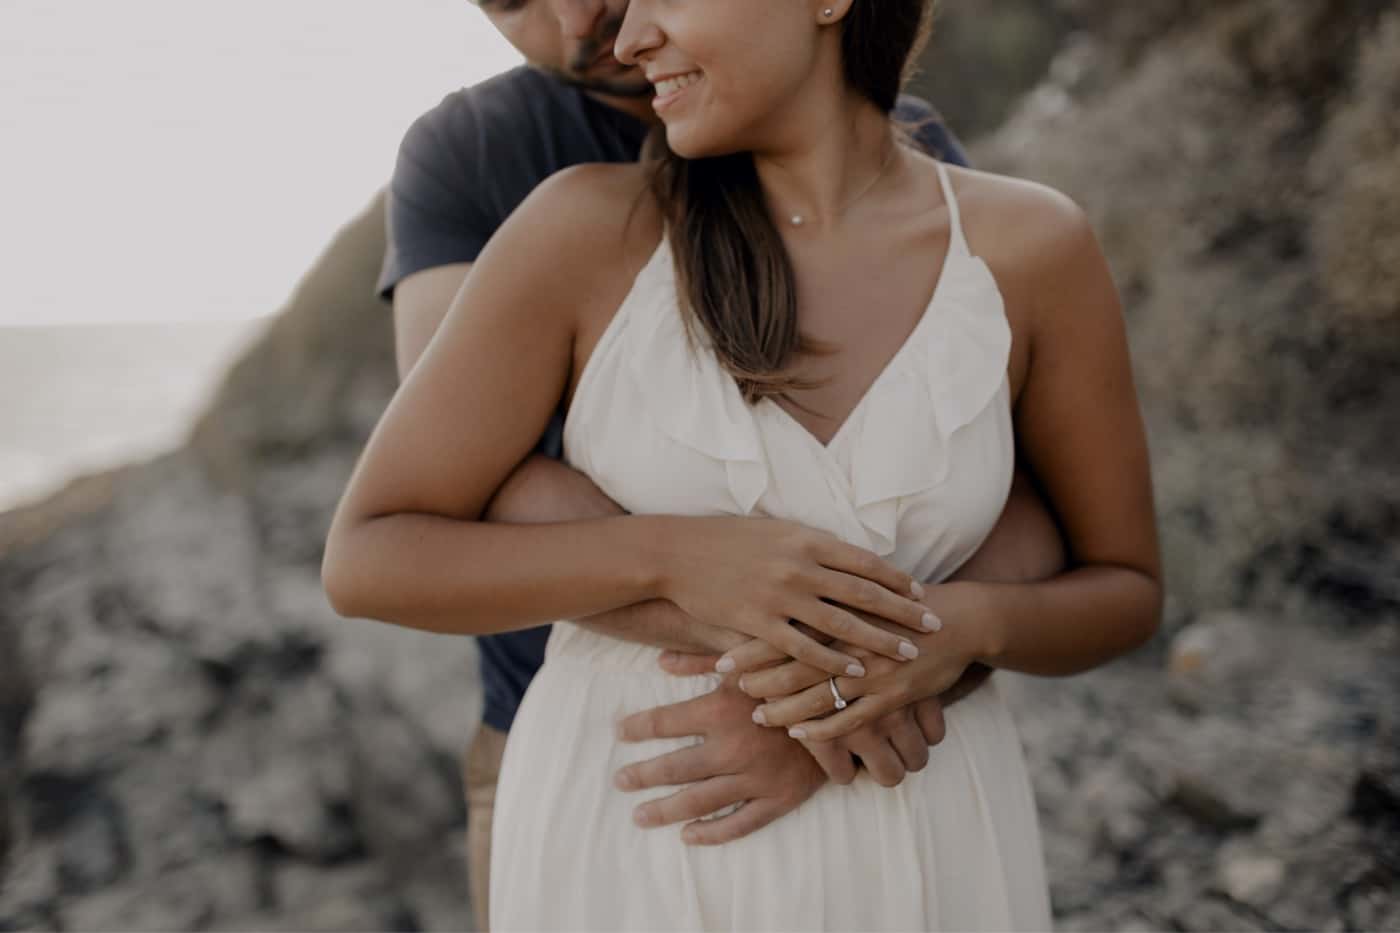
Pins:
x: 919, y: 474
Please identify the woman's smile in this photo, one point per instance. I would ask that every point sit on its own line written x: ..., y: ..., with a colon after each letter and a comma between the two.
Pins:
x: 669, y: 90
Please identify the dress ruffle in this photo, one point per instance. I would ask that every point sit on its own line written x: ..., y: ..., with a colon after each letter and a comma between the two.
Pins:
x: 957, y: 364
x: 689, y: 395
x: 953, y: 363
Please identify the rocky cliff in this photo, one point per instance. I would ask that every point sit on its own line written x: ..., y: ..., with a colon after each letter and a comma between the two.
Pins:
x: 208, y: 746
x: 1241, y: 162
x: 190, y: 740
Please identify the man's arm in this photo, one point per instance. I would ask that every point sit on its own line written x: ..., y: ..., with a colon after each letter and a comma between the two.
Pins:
x: 542, y: 489
x: 421, y: 301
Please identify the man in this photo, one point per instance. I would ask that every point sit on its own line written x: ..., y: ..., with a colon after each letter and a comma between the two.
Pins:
x: 462, y: 169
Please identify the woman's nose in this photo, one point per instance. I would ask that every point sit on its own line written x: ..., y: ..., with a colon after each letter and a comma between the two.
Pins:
x: 639, y: 34
x: 579, y: 18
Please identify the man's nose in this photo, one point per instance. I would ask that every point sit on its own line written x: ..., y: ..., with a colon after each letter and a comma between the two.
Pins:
x: 579, y: 18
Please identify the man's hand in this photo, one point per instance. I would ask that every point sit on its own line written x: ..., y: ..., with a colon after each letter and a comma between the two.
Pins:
x: 889, y: 748
x: 762, y: 771
x: 739, y: 762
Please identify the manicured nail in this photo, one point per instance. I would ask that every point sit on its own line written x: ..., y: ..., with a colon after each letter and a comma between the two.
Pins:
x: 931, y: 622
x: 742, y: 687
x: 624, y: 781
x: 760, y: 717
x: 797, y: 732
x: 917, y: 589
x: 908, y: 650
x: 643, y: 817
x: 855, y: 670
x: 724, y: 665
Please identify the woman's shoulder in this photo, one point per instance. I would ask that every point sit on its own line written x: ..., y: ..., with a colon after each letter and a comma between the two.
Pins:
x: 579, y: 240
x: 586, y: 217
x: 1019, y: 224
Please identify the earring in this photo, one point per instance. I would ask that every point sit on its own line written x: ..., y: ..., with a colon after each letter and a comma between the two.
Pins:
x: 828, y: 12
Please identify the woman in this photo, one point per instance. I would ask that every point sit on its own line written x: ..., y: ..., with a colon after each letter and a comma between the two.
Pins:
x: 803, y: 357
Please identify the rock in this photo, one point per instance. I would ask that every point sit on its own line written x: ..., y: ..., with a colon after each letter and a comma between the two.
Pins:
x: 16, y: 699
x: 1215, y: 662
x: 1212, y: 916
x: 1248, y: 877
x: 130, y: 908
x: 401, y: 795
x: 191, y: 726
x: 344, y: 899
x: 93, y: 852
x: 1268, y: 403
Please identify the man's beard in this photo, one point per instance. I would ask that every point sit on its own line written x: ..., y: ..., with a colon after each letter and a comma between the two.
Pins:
x: 589, y: 51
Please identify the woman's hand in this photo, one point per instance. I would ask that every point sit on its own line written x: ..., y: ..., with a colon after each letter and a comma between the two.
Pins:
x: 758, y: 576
x: 808, y: 707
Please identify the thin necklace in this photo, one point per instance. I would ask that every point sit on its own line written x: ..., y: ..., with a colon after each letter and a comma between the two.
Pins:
x: 798, y: 220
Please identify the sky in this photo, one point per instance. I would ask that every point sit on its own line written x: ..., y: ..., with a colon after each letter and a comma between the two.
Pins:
x: 183, y: 160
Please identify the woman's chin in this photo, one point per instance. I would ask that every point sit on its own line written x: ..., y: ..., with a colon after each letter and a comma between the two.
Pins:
x: 687, y: 143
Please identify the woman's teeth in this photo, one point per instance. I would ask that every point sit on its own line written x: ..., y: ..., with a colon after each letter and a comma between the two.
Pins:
x: 668, y: 86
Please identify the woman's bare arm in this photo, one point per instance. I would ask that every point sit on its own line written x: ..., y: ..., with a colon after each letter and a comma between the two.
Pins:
x: 408, y: 545
x: 1079, y: 424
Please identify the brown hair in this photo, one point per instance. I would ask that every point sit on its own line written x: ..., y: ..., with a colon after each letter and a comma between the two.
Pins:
x: 734, y: 275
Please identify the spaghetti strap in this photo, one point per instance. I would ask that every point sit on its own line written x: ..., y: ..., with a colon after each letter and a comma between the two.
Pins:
x: 956, y: 239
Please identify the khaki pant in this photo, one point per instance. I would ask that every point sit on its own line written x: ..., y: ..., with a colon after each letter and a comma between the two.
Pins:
x: 481, y: 767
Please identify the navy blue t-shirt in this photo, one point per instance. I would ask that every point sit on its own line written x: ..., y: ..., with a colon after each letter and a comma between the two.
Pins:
x: 463, y: 167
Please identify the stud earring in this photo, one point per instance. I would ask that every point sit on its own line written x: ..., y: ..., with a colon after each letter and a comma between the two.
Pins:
x: 828, y: 12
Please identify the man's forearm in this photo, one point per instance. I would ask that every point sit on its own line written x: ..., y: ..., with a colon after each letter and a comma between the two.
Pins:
x: 542, y: 489
x: 660, y: 624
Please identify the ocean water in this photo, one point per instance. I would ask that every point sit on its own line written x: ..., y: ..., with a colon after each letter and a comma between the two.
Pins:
x: 78, y: 399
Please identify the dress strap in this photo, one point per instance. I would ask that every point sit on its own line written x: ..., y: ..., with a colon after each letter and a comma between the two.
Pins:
x: 956, y: 239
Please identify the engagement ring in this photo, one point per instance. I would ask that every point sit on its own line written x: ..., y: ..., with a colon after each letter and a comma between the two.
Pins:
x: 836, y: 694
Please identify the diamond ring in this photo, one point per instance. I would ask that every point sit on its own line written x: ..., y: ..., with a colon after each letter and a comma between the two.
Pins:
x: 836, y: 694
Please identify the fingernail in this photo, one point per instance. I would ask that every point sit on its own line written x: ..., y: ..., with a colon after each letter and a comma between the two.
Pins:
x: 667, y: 657
x: 931, y: 622
x: 689, y: 836
x: 855, y: 670
x: 917, y: 589
x: 724, y: 665
x: 760, y: 717
x: 908, y: 649
x: 797, y: 732
x: 643, y: 817
x: 624, y: 781
x: 742, y: 687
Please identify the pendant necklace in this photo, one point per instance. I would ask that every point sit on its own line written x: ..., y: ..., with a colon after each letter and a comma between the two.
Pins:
x: 798, y: 220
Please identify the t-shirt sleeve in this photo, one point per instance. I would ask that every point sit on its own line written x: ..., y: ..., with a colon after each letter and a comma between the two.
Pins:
x: 929, y: 131
x: 436, y: 212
